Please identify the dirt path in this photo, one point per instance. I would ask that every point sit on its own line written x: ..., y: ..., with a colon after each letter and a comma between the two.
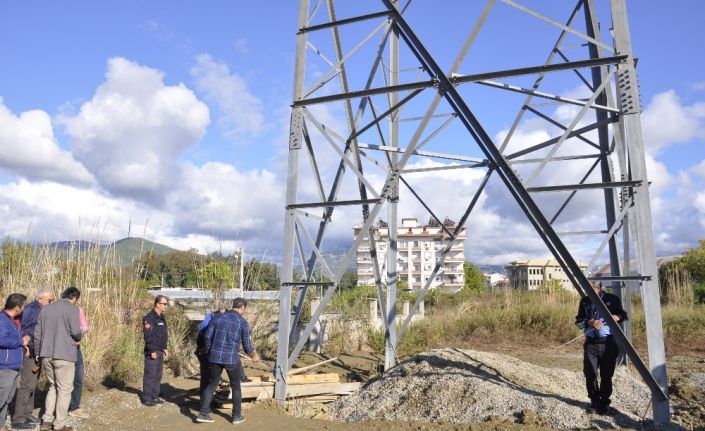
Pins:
x: 120, y: 408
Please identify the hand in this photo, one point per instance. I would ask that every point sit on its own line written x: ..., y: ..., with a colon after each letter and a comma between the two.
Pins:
x: 153, y: 355
x: 616, y: 318
x: 255, y: 357
x: 25, y: 340
x: 597, y: 324
x: 26, y: 351
x: 166, y: 355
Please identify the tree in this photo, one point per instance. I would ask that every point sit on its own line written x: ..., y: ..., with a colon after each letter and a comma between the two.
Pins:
x: 261, y: 276
x: 694, y: 260
x: 474, y: 280
x: 349, y: 280
x: 216, y: 276
x: 176, y: 269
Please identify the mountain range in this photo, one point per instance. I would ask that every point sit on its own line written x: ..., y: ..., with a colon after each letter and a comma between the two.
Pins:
x: 126, y: 250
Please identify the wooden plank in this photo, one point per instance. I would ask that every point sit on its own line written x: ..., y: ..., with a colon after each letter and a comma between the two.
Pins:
x: 302, y: 369
x: 308, y: 378
x: 322, y: 388
x: 265, y: 391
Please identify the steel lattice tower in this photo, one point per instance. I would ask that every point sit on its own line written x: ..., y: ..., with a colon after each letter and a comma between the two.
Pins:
x: 352, y: 153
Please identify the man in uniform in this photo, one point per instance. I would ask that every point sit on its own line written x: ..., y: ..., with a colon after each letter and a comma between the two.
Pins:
x: 155, y: 351
x: 224, y: 336
x: 600, y: 350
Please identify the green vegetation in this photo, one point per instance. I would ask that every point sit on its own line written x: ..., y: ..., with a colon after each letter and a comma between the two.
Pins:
x: 544, y: 318
x: 215, y: 271
x: 474, y: 280
x: 113, y: 299
x: 682, y: 281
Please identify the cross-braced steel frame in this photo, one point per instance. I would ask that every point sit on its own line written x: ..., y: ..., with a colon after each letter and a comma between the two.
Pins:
x: 354, y: 113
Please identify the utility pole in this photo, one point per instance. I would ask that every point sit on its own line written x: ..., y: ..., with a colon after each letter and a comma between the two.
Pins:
x: 242, y: 270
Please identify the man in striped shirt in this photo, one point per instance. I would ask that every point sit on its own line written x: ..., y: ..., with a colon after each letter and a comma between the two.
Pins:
x: 224, y: 337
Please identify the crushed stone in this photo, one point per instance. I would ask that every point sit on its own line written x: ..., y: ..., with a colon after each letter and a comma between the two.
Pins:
x: 465, y: 386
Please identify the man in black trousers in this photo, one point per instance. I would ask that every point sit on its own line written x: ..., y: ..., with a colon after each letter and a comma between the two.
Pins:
x: 156, y: 337
x: 600, y: 350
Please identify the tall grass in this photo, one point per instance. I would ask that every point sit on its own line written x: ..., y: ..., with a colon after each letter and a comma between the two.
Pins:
x: 114, y: 303
x: 543, y: 318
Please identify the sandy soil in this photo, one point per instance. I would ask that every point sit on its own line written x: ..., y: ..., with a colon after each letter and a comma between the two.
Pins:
x: 120, y: 409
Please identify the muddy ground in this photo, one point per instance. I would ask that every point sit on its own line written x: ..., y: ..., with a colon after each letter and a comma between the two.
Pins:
x: 120, y: 409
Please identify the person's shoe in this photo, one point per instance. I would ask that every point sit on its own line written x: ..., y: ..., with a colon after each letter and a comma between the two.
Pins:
x: 78, y: 413
x: 26, y: 425
x: 205, y: 419
x: 46, y: 426
x: 161, y: 400
x: 238, y: 420
x: 604, y: 407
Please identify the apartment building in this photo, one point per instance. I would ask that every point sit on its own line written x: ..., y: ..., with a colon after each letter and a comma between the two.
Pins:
x: 530, y: 274
x: 418, y: 250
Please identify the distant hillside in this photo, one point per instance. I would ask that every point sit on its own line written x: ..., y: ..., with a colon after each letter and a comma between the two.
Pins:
x: 75, y: 245
x: 129, y: 249
x: 126, y: 250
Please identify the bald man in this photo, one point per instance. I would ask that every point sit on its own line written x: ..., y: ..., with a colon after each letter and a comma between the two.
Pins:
x: 24, y: 398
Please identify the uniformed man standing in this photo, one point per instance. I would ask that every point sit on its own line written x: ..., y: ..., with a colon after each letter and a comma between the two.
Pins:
x: 600, y: 350
x: 155, y: 351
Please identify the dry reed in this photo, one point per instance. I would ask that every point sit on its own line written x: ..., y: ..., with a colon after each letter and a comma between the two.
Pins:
x: 110, y: 294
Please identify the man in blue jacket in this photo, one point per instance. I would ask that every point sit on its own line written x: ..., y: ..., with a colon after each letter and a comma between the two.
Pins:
x: 223, y: 337
x: 12, y: 350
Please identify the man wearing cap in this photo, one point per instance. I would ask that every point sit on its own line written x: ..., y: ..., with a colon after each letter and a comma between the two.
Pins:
x: 600, y: 350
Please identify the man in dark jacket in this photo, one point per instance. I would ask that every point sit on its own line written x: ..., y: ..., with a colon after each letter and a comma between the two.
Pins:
x: 24, y: 399
x: 600, y: 350
x: 202, y: 345
x: 156, y: 338
x: 12, y: 350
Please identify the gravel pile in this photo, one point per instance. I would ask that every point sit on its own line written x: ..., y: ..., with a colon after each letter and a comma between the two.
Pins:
x: 697, y: 380
x: 464, y: 386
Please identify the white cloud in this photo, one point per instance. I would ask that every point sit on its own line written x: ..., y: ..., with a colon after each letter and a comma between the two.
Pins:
x: 218, y: 200
x: 49, y: 212
x: 667, y: 122
x: 130, y: 134
x: 240, y: 112
x: 28, y: 148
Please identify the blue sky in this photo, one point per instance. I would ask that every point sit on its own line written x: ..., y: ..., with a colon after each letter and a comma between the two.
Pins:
x: 174, y: 115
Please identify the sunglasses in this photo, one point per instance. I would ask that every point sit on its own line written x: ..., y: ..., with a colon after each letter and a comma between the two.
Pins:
x: 163, y: 303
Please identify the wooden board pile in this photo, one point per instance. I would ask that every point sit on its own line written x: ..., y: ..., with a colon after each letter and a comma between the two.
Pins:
x: 320, y: 388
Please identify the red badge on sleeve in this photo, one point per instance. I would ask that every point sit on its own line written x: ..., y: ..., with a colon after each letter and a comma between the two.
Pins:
x: 147, y: 325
